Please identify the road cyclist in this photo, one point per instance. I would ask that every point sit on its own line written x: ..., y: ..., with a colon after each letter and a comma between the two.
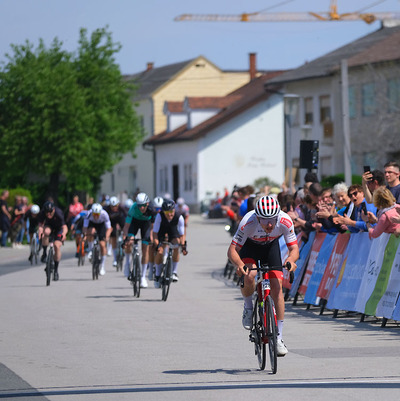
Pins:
x: 157, y: 203
x: 169, y: 223
x: 51, y: 223
x: 140, y: 217
x: 97, y: 220
x: 257, y: 239
x: 117, y: 216
x: 76, y: 230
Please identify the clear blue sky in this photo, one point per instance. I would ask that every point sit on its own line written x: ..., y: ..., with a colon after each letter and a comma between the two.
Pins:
x: 147, y: 32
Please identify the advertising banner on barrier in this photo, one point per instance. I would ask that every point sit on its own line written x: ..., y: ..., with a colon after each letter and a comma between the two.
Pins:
x: 396, y: 312
x: 315, y: 248
x: 302, y: 262
x: 319, y: 269
x: 333, y: 266
x: 284, y: 255
x: 371, y: 272
x: 348, y: 280
x: 384, y: 297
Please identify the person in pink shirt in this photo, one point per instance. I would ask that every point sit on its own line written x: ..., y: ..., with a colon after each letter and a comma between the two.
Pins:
x: 74, y: 209
x: 387, y: 215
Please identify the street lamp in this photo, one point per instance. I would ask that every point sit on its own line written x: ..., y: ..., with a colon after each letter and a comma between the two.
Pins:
x: 291, y: 110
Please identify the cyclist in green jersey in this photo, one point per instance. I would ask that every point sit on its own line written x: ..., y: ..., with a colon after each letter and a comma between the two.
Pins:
x: 140, y: 216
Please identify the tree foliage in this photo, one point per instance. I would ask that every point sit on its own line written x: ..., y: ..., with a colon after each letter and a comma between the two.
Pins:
x: 65, y: 115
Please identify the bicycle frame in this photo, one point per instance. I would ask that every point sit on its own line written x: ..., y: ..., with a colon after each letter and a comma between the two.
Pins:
x: 96, y: 255
x: 166, y: 273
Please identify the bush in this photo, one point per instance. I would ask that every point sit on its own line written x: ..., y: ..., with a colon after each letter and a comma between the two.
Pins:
x: 330, y: 181
x: 15, y: 192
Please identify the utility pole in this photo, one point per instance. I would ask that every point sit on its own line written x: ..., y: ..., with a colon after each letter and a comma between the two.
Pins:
x: 346, y: 123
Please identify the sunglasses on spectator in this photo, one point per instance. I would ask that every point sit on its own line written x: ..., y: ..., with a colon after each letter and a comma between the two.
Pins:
x: 267, y: 220
x: 355, y: 193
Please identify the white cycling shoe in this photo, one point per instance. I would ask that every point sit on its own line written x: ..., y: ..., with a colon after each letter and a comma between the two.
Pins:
x: 102, y: 271
x: 281, y: 348
x: 247, y: 318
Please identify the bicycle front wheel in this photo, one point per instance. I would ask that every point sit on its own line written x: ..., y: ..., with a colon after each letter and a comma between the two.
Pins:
x: 49, y: 263
x: 257, y: 332
x: 167, y: 278
x: 96, y: 263
x: 136, y: 276
x: 271, y: 332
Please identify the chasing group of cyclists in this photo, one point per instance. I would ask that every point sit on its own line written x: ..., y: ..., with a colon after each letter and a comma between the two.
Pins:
x: 154, y: 219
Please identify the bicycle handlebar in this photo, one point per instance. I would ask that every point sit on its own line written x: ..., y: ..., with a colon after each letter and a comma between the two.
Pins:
x: 265, y: 269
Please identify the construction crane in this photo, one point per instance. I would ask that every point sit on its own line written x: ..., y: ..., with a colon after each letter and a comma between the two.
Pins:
x: 261, y: 16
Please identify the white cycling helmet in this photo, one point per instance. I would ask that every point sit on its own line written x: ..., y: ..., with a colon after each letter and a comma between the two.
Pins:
x: 158, y: 201
x: 128, y: 203
x: 97, y: 208
x: 142, y: 199
x: 267, y: 206
x: 35, y: 209
x: 114, y: 201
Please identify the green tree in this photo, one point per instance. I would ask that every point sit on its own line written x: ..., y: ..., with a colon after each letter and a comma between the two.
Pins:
x: 65, y: 115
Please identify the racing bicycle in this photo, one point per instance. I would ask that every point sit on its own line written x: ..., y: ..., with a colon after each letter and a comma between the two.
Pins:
x: 136, y: 271
x: 120, y: 252
x: 96, y: 258
x: 166, y: 272
x: 264, y: 329
x: 49, y: 269
x: 35, y: 248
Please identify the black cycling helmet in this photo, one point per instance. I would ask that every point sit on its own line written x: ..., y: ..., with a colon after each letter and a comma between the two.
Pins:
x: 48, y: 207
x: 167, y: 205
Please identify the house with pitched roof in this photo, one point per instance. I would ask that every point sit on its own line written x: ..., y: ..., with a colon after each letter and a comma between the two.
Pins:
x: 215, y: 142
x: 349, y: 101
x: 195, y: 77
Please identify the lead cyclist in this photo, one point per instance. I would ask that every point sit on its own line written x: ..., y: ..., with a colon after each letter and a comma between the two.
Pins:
x: 257, y: 238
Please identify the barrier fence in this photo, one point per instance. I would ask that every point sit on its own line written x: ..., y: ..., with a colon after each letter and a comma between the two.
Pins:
x: 348, y: 272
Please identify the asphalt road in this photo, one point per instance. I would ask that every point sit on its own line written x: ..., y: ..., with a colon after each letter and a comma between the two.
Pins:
x: 83, y: 340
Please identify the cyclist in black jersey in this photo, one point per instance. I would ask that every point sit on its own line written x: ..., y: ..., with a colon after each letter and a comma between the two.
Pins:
x: 51, y: 222
x: 173, y: 225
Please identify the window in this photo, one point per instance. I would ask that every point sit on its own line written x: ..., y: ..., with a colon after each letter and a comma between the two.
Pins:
x: 187, y: 169
x: 352, y: 102
x: 324, y: 108
x: 308, y: 110
x: 394, y: 95
x: 368, y: 100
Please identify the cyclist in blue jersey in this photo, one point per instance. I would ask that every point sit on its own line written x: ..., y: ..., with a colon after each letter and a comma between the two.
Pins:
x: 140, y: 217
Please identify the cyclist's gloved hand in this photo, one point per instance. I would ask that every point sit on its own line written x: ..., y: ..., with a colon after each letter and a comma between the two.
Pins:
x: 184, y: 248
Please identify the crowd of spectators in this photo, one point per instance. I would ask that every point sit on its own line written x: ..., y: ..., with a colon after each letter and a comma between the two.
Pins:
x: 373, y: 206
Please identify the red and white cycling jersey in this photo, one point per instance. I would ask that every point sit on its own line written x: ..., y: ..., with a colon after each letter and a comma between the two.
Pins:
x: 250, y: 228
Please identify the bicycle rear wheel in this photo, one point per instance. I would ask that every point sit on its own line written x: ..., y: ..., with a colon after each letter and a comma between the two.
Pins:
x: 49, y: 262
x: 167, y: 278
x: 136, y: 276
x: 271, y: 332
x: 256, y: 334
x: 120, y: 258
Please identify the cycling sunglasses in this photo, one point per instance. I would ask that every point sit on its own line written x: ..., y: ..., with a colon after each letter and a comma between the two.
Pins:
x: 268, y: 220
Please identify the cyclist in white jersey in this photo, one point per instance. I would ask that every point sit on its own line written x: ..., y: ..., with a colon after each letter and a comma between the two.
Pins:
x: 257, y: 238
x: 98, y: 220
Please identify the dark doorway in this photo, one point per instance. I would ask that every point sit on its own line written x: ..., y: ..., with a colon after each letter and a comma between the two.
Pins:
x: 175, y: 181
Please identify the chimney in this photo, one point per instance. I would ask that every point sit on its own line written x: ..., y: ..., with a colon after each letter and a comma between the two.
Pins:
x: 149, y: 66
x: 252, y: 68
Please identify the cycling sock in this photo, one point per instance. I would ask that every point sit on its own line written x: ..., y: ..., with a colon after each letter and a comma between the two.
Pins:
x: 115, y: 251
x: 56, y: 266
x: 158, y: 269
x: 127, y: 259
x: 90, y: 246
x: 280, y: 329
x: 144, y: 269
x: 44, y: 249
x: 175, y: 267
x: 248, y: 302
x: 103, y: 260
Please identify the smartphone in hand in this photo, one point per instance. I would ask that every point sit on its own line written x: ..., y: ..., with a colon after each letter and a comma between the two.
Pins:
x: 367, y: 168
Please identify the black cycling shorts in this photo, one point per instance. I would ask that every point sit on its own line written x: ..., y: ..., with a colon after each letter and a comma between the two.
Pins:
x: 269, y: 254
x: 100, y: 229
x: 144, y: 226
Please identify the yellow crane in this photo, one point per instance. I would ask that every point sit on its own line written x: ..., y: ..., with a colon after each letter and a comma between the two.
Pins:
x: 261, y: 16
